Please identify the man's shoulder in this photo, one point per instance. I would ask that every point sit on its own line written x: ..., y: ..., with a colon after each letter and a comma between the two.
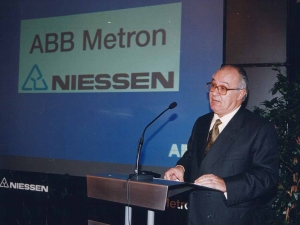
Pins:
x: 242, y: 113
x: 252, y: 117
x: 207, y: 116
x: 204, y: 120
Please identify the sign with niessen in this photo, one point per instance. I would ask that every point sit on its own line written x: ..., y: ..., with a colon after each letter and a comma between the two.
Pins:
x: 23, y: 186
x: 128, y: 50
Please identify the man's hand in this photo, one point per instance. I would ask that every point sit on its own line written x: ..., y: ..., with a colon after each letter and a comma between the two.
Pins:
x: 175, y: 173
x: 211, y: 181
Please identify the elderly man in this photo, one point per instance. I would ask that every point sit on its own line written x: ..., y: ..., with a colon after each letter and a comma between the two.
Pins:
x: 232, y: 151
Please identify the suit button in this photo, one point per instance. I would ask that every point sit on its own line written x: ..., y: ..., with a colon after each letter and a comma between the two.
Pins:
x: 209, y: 216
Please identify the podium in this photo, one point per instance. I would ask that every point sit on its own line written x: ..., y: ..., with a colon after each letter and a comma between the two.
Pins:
x: 151, y: 195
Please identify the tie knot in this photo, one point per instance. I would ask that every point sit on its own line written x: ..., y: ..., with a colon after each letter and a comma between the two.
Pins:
x: 218, y: 122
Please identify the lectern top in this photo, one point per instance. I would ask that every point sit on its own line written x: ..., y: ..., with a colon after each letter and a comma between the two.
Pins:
x: 151, y: 195
x: 117, y: 188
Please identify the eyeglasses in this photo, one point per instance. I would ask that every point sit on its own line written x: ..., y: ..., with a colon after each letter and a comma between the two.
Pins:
x: 221, y: 88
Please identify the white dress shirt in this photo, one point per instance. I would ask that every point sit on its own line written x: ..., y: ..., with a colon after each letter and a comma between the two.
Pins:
x: 225, y: 120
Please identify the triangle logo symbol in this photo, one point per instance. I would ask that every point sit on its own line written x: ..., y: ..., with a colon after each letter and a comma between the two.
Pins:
x: 4, y: 183
x: 35, y: 80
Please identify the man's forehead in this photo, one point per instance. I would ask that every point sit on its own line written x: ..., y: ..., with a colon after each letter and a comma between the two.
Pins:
x: 221, y: 82
x: 226, y: 76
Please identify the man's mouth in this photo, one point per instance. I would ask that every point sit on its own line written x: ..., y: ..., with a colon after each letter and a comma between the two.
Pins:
x: 215, y: 100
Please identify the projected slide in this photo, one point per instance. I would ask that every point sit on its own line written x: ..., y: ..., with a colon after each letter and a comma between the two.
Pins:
x: 129, y: 50
x: 80, y: 80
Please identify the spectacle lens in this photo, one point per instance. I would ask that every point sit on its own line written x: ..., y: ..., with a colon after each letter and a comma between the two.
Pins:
x: 221, y: 89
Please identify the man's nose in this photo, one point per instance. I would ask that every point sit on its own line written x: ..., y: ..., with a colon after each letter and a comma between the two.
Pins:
x: 216, y: 91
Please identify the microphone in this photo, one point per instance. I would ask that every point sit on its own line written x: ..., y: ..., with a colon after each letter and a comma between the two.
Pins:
x: 146, y: 175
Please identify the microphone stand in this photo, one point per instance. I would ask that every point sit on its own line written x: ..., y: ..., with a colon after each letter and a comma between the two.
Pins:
x: 146, y: 175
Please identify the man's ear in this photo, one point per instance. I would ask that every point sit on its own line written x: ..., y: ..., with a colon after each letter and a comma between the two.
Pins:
x: 241, y: 94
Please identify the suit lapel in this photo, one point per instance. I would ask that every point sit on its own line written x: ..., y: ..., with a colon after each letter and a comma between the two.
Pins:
x: 223, y: 142
x: 202, y: 137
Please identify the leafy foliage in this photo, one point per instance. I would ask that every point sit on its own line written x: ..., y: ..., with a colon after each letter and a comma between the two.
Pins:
x: 284, y: 112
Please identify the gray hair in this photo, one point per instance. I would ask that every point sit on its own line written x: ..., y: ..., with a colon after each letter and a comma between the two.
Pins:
x: 244, y: 83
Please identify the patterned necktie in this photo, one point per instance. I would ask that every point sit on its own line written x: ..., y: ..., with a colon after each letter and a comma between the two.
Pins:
x: 212, y: 136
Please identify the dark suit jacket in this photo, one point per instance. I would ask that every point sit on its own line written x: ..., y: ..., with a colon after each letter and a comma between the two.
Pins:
x: 245, y: 155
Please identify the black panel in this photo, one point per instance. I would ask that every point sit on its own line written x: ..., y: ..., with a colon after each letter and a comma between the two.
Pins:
x: 255, y: 31
x: 62, y: 199
x: 294, y: 40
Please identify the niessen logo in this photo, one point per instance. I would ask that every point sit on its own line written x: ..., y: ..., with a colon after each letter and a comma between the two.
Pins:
x: 23, y: 186
x: 120, y: 82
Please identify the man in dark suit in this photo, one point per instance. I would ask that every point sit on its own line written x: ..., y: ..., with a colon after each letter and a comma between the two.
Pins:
x: 237, y: 156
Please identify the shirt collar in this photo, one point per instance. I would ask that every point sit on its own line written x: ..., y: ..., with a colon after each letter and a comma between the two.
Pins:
x: 224, y: 119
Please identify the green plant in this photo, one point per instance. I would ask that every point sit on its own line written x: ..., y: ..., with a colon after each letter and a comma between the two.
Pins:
x: 284, y: 112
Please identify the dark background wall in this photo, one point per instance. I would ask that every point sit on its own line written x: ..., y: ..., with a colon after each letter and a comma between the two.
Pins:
x: 256, y: 35
x: 256, y: 38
